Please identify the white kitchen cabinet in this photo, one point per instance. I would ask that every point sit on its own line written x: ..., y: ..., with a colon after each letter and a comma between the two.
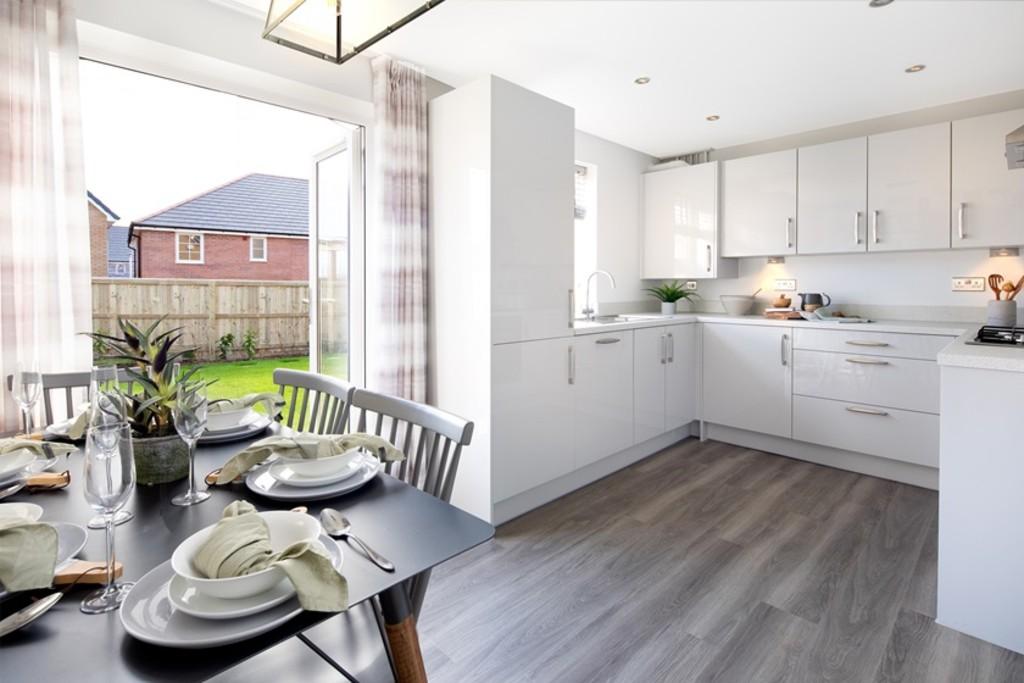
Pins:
x: 665, y: 379
x: 988, y: 198
x: 747, y: 378
x: 908, y: 189
x: 759, y: 205
x: 602, y: 377
x: 681, y: 223
x: 832, y: 197
x: 532, y: 423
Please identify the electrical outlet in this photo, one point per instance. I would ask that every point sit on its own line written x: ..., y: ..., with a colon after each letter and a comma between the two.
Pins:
x: 690, y: 285
x: 968, y: 284
x: 787, y: 285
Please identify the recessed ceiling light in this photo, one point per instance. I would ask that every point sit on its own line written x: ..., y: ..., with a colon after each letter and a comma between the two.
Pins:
x: 879, y: 3
x: 914, y: 69
x: 712, y: 117
x: 643, y: 80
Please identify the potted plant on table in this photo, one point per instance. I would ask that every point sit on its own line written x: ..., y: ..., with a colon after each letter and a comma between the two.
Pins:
x: 150, y: 388
x: 669, y: 293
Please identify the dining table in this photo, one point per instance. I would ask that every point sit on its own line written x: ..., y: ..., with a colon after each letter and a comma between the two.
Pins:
x: 414, y: 530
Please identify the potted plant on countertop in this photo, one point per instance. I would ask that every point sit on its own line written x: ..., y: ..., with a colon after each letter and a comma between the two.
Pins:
x: 669, y: 293
x: 148, y: 360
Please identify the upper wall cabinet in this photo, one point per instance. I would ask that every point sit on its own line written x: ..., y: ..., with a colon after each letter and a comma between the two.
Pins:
x: 833, y: 197
x: 681, y: 223
x: 988, y: 198
x: 759, y: 205
x: 908, y: 189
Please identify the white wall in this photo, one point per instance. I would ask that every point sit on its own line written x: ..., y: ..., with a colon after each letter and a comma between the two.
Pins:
x: 620, y: 214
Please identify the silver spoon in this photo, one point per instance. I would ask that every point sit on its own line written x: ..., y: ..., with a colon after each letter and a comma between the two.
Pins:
x: 29, y: 614
x: 11, y: 490
x: 338, y: 527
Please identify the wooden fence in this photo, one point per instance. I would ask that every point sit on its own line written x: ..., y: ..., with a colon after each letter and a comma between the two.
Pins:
x: 278, y: 312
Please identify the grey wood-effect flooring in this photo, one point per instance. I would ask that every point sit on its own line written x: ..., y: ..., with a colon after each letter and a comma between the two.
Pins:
x: 708, y: 562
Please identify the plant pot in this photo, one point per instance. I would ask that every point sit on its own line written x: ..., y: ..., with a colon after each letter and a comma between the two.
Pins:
x: 1002, y: 313
x: 160, y: 459
x: 668, y: 307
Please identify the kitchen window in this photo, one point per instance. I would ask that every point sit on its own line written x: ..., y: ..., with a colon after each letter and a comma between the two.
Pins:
x: 257, y: 248
x: 585, y: 243
x: 189, y: 247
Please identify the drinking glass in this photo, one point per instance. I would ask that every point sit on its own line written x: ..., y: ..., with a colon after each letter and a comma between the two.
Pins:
x: 190, y: 420
x: 107, y: 409
x: 26, y: 386
x: 109, y: 482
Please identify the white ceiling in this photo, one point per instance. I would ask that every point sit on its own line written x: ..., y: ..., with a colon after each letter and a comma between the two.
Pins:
x: 768, y: 68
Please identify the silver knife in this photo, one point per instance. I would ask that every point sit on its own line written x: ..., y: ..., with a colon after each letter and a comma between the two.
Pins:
x: 28, y: 614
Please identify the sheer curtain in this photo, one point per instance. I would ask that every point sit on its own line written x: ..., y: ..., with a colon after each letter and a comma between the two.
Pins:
x: 45, y: 297
x: 400, y: 129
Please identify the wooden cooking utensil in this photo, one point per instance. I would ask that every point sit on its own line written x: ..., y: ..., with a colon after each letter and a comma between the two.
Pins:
x: 995, y: 281
x: 1017, y: 289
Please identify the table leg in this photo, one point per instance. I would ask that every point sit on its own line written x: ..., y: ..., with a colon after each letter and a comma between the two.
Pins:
x: 400, y: 626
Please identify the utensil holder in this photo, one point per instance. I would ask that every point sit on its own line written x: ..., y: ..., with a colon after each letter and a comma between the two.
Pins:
x: 1002, y: 313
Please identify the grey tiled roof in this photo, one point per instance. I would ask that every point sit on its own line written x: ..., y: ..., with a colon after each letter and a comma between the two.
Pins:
x: 256, y: 203
x: 117, y: 244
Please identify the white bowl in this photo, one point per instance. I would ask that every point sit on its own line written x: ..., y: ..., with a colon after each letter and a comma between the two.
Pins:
x: 737, y: 304
x: 225, y: 420
x: 286, y: 527
x: 322, y: 467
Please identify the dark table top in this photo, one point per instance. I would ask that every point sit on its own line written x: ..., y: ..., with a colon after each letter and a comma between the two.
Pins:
x: 412, y: 529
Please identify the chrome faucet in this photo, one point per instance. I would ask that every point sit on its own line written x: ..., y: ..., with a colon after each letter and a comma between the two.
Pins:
x: 589, y: 312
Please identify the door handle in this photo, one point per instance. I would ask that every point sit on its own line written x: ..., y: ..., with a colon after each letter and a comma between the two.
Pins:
x: 671, y: 348
x: 866, y: 411
x: 572, y: 365
x: 782, y: 348
x: 865, y: 361
x: 960, y: 219
x: 856, y: 342
x: 608, y: 340
x: 572, y: 306
x: 709, y: 258
x: 789, y: 232
x: 856, y: 227
x: 664, y: 349
x: 874, y: 226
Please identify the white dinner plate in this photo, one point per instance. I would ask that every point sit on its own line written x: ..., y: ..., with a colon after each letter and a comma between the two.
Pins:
x: 244, y: 431
x: 190, y: 601
x: 262, y: 482
x: 283, y: 472
x: 30, y: 512
x: 147, y: 614
x: 70, y: 541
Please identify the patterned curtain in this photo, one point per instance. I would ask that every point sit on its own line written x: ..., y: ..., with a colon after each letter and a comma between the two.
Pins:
x: 45, y: 286
x: 400, y: 131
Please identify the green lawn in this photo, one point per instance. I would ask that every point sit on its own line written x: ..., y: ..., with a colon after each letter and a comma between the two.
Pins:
x: 237, y: 378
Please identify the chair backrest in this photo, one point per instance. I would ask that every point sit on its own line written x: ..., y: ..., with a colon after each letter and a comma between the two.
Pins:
x: 68, y: 382
x: 316, y: 403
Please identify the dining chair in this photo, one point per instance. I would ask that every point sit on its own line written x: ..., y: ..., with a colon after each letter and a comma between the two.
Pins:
x: 316, y: 403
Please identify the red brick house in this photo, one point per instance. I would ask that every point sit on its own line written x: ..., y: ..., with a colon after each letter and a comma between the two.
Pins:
x: 253, y: 228
x: 111, y: 254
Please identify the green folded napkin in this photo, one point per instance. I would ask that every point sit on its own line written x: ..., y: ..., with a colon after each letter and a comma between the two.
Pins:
x: 240, y: 545
x: 304, y: 446
x: 272, y: 403
x: 28, y: 554
x: 40, y: 448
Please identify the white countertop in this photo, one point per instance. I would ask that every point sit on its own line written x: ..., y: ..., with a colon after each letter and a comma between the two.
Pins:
x: 946, y: 329
x: 960, y: 354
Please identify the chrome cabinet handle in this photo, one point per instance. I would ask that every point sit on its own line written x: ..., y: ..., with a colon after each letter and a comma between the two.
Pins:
x: 960, y: 219
x: 608, y: 340
x: 856, y: 342
x: 866, y: 411
x: 856, y: 227
x: 865, y: 361
x: 782, y: 347
x: 709, y: 258
x: 664, y: 349
x: 789, y: 233
x: 671, y: 348
x: 572, y: 366
x: 874, y: 226
x: 572, y: 306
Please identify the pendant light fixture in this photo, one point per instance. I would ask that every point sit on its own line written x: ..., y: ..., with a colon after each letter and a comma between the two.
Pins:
x: 335, y: 31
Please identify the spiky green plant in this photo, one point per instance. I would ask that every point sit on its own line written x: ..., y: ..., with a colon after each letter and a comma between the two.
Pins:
x: 148, y: 359
x: 671, y: 292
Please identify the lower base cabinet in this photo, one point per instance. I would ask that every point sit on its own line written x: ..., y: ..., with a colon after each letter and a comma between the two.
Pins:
x: 603, y: 392
x: 665, y: 379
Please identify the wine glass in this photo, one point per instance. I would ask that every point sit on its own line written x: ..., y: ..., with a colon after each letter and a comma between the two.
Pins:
x: 26, y: 387
x: 190, y: 420
x: 109, y: 483
x: 107, y: 409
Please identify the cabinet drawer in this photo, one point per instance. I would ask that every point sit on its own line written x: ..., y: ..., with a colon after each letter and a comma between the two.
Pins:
x: 892, y: 382
x: 883, y: 432
x: 923, y: 346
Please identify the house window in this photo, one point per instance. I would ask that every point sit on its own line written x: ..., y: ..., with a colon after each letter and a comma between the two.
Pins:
x: 257, y: 248
x: 189, y: 247
x: 585, y: 242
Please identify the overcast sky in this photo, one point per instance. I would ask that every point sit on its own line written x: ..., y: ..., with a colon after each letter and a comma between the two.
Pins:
x: 151, y: 143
